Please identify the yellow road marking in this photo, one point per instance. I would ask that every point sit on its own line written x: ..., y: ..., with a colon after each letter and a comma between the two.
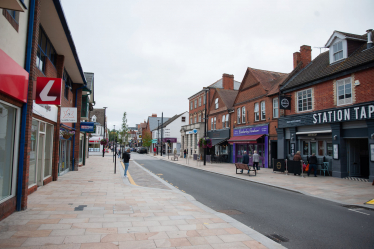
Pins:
x: 159, y: 174
x: 171, y: 183
x: 371, y: 202
x: 176, y: 186
x: 129, y: 176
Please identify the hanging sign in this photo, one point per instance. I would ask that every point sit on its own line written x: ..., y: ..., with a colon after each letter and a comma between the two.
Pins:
x: 68, y: 115
x: 87, y: 127
x: 285, y: 103
x: 48, y: 91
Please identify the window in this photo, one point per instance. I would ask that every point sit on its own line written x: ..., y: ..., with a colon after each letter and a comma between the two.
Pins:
x: 263, y: 114
x: 183, y: 119
x: 313, y: 148
x: 337, y: 49
x: 223, y: 121
x: 305, y: 148
x: 13, y: 14
x: 243, y: 114
x: 321, y: 148
x: 211, y: 124
x: 93, y: 118
x: 215, y: 123
x: 275, y: 108
x: 45, y: 50
x: 227, y: 120
x: 238, y: 113
x: 257, y: 112
x: 200, y: 101
x: 304, y: 99
x: 191, y: 106
x: 195, y: 119
x: 191, y: 120
x: 216, y: 103
x: 195, y: 103
x: 204, y: 98
x: 68, y: 84
x: 329, y: 149
x: 199, y: 117
x: 344, y: 89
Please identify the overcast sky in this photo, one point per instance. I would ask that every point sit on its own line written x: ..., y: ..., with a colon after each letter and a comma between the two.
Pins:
x: 150, y: 56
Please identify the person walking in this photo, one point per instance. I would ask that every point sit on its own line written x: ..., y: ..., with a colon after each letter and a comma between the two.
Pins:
x: 126, y: 159
x: 256, y: 160
x: 313, y: 164
x: 119, y: 153
x: 154, y: 151
x: 245, y: 159
x: 297, y: 156
x: 184, y: 153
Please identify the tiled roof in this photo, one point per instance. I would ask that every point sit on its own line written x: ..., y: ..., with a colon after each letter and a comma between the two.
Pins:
x: 153, y: 122
x: 267, y: 78
x: 276, y: 84
x: 170, y: 120
x: 227, y: 96
x: 320, y: 66
x: 99, y: 113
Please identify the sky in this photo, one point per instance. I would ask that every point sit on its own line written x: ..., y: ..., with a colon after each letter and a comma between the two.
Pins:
x: 151, y: 56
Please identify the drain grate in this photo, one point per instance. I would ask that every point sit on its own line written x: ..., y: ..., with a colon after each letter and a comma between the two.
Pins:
x: 230, y: 212
x: 80, y: 208
x: 277, y: 238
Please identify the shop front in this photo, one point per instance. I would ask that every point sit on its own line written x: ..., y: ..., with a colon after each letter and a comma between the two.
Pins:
x: 65, y: 161
x: 249, y: 139
x: 342, y: 137
x: 169, y: 144
x: 94, y: 144
x: 220, y: 146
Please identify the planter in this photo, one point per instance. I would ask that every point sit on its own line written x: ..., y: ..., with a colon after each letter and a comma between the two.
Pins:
x: 66, y: 136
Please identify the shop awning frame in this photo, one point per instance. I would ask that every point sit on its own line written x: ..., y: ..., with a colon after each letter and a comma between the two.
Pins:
x: 245, y: 139
x: 216, y: 141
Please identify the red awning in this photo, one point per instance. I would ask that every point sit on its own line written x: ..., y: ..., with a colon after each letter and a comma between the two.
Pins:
x: 244, y: 139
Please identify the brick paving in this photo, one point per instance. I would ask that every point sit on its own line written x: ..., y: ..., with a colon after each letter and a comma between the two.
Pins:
x: 95, y: 208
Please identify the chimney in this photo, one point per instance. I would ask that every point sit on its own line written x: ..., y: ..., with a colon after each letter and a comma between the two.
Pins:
x: 296, y: 59
x: 306, y: 54
x: 154, y: 115
x: 228, y: 81
x: 370, y: 42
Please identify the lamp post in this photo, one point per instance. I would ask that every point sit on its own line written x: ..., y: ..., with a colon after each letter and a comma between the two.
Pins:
x: 104, y: 129
x: 158, y: 133
x: 206, y: 102
x: 114, y: 152
x: 162, y: 122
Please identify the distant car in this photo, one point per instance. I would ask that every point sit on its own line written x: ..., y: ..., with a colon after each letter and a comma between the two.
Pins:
x: 143, y: 150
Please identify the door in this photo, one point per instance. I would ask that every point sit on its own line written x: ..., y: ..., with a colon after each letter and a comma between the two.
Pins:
x: 353, y: 157
x: 41, y: 155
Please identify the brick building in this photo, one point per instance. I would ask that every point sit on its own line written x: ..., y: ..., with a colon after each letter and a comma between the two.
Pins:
x: 255, y: 115
x: 332, y: 107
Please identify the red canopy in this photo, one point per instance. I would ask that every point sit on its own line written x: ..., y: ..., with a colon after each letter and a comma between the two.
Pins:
x: 245, y: 139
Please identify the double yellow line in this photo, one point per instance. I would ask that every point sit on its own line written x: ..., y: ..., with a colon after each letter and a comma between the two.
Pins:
x: 129, y: 176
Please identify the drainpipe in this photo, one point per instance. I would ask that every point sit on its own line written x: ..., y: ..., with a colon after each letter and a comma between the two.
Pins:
x: 76, y: 97
x: 24, y: 107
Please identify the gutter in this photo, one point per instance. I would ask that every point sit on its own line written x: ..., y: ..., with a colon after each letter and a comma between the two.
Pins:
x: 24, y: 108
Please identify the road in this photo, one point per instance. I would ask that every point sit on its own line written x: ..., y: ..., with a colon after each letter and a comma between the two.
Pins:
x: 306, y: 222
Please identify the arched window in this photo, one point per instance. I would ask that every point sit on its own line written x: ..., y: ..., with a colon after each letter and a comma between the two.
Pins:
x: 243, y: 114
x: 223, y: 121
x: 216, y: 103
x: 238, y: 113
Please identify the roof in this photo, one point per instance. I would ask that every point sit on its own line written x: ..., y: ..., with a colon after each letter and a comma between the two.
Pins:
x: 153, y: 122
x: 218, y: 84
x: 268, y: 79
x: 90, y: 84
x: 99, y: 113
x: 320, y: 67
x: 227, y: 96
x: 170, y: 120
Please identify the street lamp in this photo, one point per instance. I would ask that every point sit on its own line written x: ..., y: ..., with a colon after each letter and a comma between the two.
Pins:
x: 114, y: 153
x: 158, y: 132
x: 104, y: 129
x: 206, y: 102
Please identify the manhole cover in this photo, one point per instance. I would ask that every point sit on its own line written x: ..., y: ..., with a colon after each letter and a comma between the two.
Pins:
x: 230, y: 212
x: 277, y: 238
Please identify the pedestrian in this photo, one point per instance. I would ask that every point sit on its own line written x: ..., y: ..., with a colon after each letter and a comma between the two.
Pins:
x: 119, y: 153
x: 126, y: 159
x: 184, y: 153
x: 245, y: 160
x: 154, y: 151
x: 256, y: 160
x: 297, y: 156
x: 313, y: 164
x: 175, y: 151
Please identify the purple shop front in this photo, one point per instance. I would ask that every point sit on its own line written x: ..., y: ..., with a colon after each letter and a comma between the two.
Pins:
x: 250, y: 139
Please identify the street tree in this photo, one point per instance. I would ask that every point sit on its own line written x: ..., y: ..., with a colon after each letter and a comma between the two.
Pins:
x: 147, y: 139
x: 125, y: 129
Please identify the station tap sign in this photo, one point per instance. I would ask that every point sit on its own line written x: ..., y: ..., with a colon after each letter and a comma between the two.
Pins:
x: 48, y: 91
x: 68, y: 115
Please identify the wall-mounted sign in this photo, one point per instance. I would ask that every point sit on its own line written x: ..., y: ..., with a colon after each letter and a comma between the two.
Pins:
x: 194, y: 131
x: 48, y: 91
x: 88, y: 127
x: 68, y: 115
x: 285, y: 103
x: 172, y: 139
x: 372, y: 152
x: 256, y: 130
x: 336, y: 151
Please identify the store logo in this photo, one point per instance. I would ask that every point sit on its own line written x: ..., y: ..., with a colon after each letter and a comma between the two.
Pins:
x: 48, y: 91
x: 285, y: 103
x: 279, y: 165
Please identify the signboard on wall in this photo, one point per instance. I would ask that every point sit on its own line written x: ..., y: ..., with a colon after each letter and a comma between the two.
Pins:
x: 48, y: 91
x: 88, y: 127
x: 255, y: 130
x: 285, y: 102
x: 68, y: 115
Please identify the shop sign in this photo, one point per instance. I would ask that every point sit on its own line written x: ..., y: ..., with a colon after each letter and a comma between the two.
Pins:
x: 354, y: 113
x: 172, y: 139
x: 68, y: 115
x: 285, y: 103
x: 256, y: 130
x: 87, y: 127
x: 46, y: 111
x: 48, y: 91
x: 219, y: 134
x: 194, y: 131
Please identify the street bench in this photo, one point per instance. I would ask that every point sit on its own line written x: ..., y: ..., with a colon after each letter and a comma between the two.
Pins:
x: 242, y: 166
x: 174, y: 158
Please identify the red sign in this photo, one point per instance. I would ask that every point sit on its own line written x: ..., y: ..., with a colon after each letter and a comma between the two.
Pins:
x: 14, y: 80
x: 48, y: 91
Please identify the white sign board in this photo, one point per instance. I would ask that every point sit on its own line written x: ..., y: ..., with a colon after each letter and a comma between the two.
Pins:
x: 46, y: 111
x: 336, y: 152
x: 68, y: 115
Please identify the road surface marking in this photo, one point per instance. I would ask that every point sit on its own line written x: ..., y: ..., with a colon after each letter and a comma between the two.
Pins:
x: 159, y: 174
x: 370, y: 202
x: 358, y: 211
x: 129, y: 176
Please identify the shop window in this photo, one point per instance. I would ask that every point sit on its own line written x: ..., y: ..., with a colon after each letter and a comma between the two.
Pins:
x: 33, y: 146
x: 263, y: 114
x: 329, y: 149
x: 313, y: 148
x: 223, y: 121
x: 227, y: 120
x: 305, y: 148
x: 238, y: 113
x: 216, y: 103
x: 275, y: 108
x: 321, y: 148
x: 257, y: 112
x: 243, y: 114
x: 304, y: 100
x: 344, y: 89
x: 48, y: 150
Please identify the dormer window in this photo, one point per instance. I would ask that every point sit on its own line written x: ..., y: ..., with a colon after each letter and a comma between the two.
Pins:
x: 93, y: 119
x: 338, y: 51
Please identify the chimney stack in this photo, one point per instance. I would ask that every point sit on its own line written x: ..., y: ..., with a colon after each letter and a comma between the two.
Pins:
x: 370, y: 42
x: 228, y: 81
x: 305, y: 54
x: 296, y: 59
x: 154, y: 115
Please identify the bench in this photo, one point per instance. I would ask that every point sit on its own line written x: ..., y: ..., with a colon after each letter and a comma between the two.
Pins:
x: 174, y: 158
x: 242, y: 166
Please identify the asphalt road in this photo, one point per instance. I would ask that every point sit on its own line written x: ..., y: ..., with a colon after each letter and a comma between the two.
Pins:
x: 306, y: 222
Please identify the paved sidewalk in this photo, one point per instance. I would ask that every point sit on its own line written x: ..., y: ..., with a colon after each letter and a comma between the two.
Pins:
x: 95, y: 208
x: 346, y: 192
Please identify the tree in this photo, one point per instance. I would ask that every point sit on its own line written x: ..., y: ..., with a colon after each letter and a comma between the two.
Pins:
x: 125, y: 129
x: 147, y: 139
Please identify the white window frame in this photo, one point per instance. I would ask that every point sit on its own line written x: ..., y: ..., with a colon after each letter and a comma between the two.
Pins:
x: 199, y: 101
x: 275, y: 108
x: 257, y: 112
x: 344, y: 83
x: 227, y: 121
x: 191, y: 105
x: 301, y: 94
x: 195, y: 119
x: 211, y: 124
x: 263, y: 110
x: 195, y: 103
x: 190, y: 120
x: 215, y: 123
x: 336, y: 50
x: 243, y: 115
x: 216, y: 105
x: 15, y: 151
x: 223, y: 121
x: 238, y: 113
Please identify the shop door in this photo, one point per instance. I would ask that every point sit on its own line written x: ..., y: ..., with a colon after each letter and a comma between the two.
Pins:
x: 41, y: 155
x: 353, y: 157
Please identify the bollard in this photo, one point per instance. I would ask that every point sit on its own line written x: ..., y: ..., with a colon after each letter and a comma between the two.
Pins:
x: 302, y: 169
x: 285, y: 160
